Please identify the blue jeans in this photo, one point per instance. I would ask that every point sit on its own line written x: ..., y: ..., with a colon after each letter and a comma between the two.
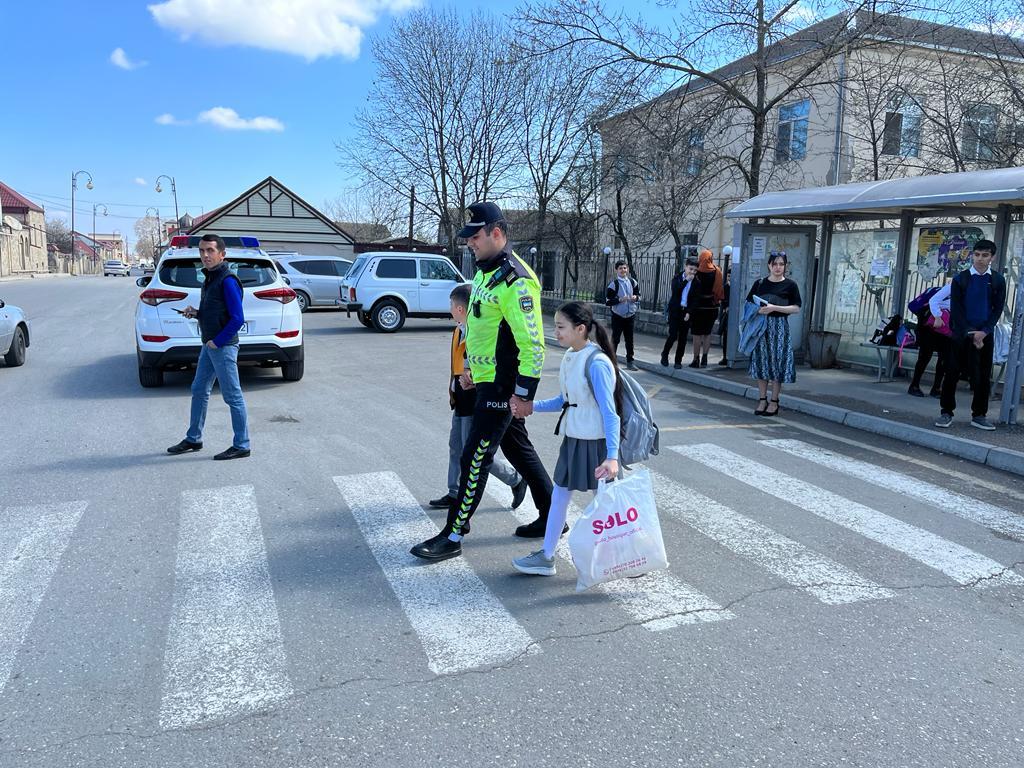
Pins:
x: 219, y: 365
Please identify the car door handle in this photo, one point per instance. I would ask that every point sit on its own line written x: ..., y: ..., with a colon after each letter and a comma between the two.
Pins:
x: 424, y: 283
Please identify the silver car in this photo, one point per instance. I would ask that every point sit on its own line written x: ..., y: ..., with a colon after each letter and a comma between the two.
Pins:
x: 316, y: 280
x: 14, y: 334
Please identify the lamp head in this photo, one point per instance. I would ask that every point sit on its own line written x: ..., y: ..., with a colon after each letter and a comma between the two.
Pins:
x: 533, y: 251
x: 158, y: 188
x: 88, y: 185
x: 727, y: 250
x: 607, y: 250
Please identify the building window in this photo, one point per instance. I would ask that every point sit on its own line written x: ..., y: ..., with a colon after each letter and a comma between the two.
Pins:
x: 791, y: 138
x: 979, y: 132
x: 694, y: 151
x: 902, y: 132
x: 620, y: 171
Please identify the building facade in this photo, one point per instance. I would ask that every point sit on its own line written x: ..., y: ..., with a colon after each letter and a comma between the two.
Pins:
x: 22, y: 234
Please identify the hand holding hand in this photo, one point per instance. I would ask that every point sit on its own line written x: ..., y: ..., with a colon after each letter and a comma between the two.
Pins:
x: 609, y: 468
x: 520, y: 408
x: 466, y: 380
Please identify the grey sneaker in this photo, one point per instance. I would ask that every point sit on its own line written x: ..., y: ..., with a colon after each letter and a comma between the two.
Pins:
x: 535, y: 564
x: 945, y: 421
x: 982, y: 423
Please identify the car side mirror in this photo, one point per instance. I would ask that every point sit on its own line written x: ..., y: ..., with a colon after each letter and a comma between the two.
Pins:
x: 142, y: 282
x: 2, y: 303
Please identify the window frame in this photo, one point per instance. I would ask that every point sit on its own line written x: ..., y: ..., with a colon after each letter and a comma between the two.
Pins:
x: 982, y: 148
x: 397, y: 259
x: 794, y: 125
x: 902, y: 138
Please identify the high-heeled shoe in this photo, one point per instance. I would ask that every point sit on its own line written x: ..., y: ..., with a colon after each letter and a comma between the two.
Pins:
x: 777, y: 407
x: 759, y: 411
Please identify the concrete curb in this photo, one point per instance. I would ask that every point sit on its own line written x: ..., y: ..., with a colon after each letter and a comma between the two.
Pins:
x: 1004, y: 459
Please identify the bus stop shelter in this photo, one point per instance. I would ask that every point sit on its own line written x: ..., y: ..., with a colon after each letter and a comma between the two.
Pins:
x: 924, y: 229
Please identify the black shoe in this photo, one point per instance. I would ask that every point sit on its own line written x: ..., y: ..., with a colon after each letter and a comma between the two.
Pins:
x: 664, y: 361
x: 677, y: 366
x: 438, y: 548
x: 232, y: 453
x: 183, y: 447
x: 703, y: 361
x: 915, y: 391
x: 519, y: 492
x: 631, y: 366
x: 442, y: 503
x: 935, y: 393
x: 724, y: 361
x: 535, y: 530
x: 695, y: 363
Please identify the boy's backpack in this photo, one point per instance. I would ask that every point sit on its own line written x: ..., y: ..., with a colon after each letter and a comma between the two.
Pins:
x: 885, y: 332
x: 919, y: 304
x: 639, y: 438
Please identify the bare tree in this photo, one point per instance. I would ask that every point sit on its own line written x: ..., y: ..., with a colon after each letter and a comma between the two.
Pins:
x: 147, y: 237
x: 370, y: 211
x: 58, y: 233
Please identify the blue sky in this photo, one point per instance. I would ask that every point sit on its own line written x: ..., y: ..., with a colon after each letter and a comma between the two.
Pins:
x: 72, y: 107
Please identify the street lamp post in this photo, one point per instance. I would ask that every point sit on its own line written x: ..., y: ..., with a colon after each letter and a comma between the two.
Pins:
x: 95, y: 242
x: 156, y: 230
x: 174, y: 193
x: 74, y: 186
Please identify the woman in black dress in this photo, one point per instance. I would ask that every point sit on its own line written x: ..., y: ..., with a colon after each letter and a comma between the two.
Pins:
x: 772, y: 358
x: 709, y: 293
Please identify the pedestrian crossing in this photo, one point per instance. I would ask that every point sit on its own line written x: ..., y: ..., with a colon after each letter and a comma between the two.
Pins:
x: 226, y: 652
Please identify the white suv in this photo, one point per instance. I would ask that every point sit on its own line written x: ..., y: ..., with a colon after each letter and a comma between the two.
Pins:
x: 115, y: 267
x: 165, y: 340
x: 386, y: 287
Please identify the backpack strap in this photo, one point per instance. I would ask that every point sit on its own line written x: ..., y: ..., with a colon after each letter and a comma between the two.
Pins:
x: 594, y: 352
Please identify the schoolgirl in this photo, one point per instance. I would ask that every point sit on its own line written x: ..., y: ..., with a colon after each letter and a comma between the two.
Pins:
x: 589, y: 422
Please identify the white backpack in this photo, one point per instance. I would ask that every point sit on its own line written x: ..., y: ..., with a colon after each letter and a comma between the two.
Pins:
x: 638, y: 438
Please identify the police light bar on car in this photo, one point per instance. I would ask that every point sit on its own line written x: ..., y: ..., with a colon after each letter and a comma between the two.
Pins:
x: 192, y: 241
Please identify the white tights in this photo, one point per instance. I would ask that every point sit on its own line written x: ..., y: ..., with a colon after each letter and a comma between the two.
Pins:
x: 560, y: 498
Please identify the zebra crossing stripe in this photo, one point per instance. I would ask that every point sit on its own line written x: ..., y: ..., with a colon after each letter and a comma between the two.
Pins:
x: 989, y: 515
x: 825, y: 579
x: 658, y: 601
x: 34, y: 541
x: 959, y: 563
x: 224, y: 654
x: 459, y: 621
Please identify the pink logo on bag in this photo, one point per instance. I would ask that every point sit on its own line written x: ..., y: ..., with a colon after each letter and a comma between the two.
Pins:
x: 613, y: 521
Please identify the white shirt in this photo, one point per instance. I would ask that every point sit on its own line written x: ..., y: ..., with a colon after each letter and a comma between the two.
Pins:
x: 686, y: 292
x: 940, y: 300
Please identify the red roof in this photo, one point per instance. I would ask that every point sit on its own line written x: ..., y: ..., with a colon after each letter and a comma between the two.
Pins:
x: 204, y: 216
x: 14, y: 202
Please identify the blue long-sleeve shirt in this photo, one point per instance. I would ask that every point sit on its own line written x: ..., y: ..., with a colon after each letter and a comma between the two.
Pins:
x: 233, y: 298
x: 603, y: 377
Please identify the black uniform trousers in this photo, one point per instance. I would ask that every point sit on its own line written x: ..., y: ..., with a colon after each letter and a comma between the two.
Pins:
x: 964, y: 356
x: 678, y: 330
x: 493, y: 427
x: 929, y: 343
x: 623, y: 326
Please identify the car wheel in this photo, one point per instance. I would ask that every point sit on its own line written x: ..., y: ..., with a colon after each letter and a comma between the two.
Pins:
x: 388, y: 316
x: 16, y: 354
x: 364, y: 319
x: 303, y: 300
x: 150, y: 377
x: 292, y: 371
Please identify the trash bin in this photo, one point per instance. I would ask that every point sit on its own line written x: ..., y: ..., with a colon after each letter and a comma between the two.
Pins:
x: 822, y: 348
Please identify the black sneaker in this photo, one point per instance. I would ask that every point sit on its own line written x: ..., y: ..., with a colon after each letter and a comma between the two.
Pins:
x: 695, y: 363
x: 518, y: 493
x: 915, y: 391
x: 440, y: 547
x: 442, y: 503
x: 935, y: 393
x: 183, y: 447
x: 677, y: 366
x: 631, y: 366
x: 724, y: 361
x: 664, y: 362
x: 232, y: 453
x: 982, y: 423
x: 945, y: 421
x: 535, y: 530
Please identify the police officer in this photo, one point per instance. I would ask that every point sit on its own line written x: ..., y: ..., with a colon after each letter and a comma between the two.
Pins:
x: 505, y: 351
x: 220, y: 318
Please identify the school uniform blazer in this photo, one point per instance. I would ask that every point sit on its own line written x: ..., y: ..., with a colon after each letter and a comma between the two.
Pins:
x: 958, y: 303
x: 678, y: 283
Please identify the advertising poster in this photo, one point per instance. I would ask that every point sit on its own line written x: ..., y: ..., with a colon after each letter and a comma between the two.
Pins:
x: 946, y: 250
x: 847, y: 296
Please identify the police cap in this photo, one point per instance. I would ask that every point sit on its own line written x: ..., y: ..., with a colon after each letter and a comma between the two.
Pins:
x: 480, y: 214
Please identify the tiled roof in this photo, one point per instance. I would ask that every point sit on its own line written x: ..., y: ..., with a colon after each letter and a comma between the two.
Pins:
x: 14, y: 202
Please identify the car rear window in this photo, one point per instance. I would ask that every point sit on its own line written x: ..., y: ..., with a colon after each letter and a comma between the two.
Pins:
x: 315, y: 267
x: 356, y: 268
x: 397, y: 268
x: 186, y: 272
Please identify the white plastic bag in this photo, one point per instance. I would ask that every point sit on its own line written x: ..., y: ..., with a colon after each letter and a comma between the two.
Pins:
x: 1001, y: 343
x: 619, y: 534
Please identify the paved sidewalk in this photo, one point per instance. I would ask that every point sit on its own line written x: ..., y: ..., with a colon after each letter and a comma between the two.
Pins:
x: 852, y: 397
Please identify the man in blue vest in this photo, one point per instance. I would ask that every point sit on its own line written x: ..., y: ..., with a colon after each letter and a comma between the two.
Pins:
x: 220, y: 317
x: 976, y: 300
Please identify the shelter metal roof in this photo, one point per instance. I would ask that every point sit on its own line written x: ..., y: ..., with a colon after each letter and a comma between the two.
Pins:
x: 971, y: 191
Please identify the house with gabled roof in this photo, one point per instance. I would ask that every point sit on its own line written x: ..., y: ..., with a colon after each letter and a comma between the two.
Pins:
x: 280, y: 219
x: 22, y: 234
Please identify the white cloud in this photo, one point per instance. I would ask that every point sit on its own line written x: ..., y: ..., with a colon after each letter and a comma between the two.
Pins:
x: 306, y: 28
x: 168, y: 119
x: 120, y: 59
x: 140, y: 181
x: 229, y: 120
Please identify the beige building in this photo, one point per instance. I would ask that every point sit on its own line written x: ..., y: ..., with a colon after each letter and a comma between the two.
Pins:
x: 112, y: 246
x: 22, y: 234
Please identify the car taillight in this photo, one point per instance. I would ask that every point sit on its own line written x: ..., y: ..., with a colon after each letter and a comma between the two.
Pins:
x: 284, y: 295
x: 352, y: 294
x: 154, y: 296
x: 155, y: 338
x: 287, y: 334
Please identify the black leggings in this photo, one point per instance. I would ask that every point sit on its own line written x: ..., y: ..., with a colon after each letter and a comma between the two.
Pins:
x: 930, y: 343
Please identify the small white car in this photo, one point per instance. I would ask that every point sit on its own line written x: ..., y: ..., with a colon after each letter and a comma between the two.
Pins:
x: 384, y: 288
x: 115, y: 268
x: 14, y: 334
x: 165, y: 340
x: 315, y: 279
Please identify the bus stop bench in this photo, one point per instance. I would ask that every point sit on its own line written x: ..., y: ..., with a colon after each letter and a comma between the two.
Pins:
x: 887, y: 358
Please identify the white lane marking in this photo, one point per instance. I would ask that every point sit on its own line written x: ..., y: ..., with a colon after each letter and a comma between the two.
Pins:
x: 225, y: 655
x: 34, y: 539
x: 657, y: 600
x: 959, y: 563
x: 998, y: 519
x: 459, y: 621
x: 817, y: 575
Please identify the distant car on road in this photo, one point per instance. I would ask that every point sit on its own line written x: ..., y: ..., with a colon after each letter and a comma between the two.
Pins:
x: 115, y: 267
x: 315, y: 279
x: 384, y: 288
x: 14, y: 334
x: 165, y: 340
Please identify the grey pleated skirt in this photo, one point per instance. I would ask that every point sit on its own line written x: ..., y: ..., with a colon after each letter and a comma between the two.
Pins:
x: 577, y: 460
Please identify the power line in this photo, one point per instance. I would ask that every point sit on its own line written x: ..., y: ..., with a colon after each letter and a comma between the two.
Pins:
x: 45, y: 195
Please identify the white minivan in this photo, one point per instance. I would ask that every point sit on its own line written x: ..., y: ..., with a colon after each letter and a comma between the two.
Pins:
x: 384, y: 288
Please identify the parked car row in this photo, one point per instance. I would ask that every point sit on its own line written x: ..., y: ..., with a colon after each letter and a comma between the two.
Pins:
x: 315, y: 279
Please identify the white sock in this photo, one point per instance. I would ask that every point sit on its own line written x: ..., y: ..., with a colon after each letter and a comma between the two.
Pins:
x: 560, y: 498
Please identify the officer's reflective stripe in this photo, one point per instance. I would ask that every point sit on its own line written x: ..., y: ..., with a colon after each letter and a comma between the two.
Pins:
x: 224, y: 656
x: 825, y: 579
x: 658, y: 600
x: 460, y: 623
x: 959, y: 563
x: 989, y: 515
x: 31, y: 546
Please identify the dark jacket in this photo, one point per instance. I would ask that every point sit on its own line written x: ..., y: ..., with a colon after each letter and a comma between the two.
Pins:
x: 958, y: 303
x: 213, y: 311
x: 676, y: 296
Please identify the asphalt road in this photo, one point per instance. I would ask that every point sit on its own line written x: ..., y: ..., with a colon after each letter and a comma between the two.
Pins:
x: 832, y: 598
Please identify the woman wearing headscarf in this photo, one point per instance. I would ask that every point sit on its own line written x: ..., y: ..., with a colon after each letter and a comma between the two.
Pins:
x: 772, y: 358
x: 709, y: 290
